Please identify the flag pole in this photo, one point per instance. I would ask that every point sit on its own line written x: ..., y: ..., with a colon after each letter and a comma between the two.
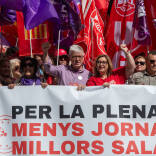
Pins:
x: 92, y: 44
x: 17, y: 42
x: 59, y: 36
x: 30, y: 32
x: 1, y: 40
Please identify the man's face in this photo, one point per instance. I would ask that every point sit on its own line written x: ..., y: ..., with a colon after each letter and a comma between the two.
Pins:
x: 77, y: 59
x: 152, y: 63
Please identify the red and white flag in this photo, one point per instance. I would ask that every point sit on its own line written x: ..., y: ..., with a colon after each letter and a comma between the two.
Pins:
x: 92, y: 34
x: 120, y: 30
x: 102, y: 7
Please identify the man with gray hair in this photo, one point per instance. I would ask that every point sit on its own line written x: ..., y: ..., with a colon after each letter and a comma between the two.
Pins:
x: 149, y: 76
x: 74, y: 74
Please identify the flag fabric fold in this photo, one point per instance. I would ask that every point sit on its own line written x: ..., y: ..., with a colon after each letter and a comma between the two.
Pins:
x: 7, y: 16
x: 142, y: 33
x: 69, y: 22
x: 150, y: 7
x: 13, y: 4
x: 37, y: 11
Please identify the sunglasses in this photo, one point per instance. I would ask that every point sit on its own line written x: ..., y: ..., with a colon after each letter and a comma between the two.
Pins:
x: 79, y: 57
x: 152, y: 61
x: 141, y: 63
x: 28, y: 64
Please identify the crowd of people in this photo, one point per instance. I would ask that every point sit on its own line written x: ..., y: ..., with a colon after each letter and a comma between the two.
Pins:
x: 68, y: 68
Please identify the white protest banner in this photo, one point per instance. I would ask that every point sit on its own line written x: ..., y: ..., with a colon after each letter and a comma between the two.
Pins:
x: 58, y: 120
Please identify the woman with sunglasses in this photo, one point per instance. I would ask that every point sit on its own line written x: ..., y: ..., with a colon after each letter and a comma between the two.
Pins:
x: 149, y: 76
x: 140, y: 63
x: 104, y: 73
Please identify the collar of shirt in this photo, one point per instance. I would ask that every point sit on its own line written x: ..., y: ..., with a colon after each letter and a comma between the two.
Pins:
x: 79, y: 71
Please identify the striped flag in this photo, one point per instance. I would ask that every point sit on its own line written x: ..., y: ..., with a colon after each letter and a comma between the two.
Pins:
x: 31, y: 39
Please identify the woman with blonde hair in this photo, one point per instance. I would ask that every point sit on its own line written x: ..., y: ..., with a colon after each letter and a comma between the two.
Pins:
x: 15, y: 69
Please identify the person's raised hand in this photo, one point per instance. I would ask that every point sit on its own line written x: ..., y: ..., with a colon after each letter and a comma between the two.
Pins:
x: 124, y: 48
x: 45, y: 48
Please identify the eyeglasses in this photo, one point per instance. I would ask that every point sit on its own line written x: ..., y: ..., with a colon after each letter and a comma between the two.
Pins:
x: 79, y: 57
x: 28, y: 64
x: 152, y: 61
x: 102, y: 62
x: 141, y: 63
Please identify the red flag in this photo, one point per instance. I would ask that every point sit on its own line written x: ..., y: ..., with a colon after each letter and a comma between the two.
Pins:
x: 26, y: 42
x: 120, y: 30
x: 92, y: 35
x: 102, y: 7
x: 10, y: 33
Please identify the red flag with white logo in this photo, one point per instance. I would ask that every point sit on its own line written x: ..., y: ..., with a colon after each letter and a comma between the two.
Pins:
x: 120, y: 30
x: 30, y: 41
x: 92, y: 34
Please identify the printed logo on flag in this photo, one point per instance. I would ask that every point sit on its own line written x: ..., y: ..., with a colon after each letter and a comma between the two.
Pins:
x: 97, y: 27
x: 5, y: 125
x: 125, y: 7
x: 39, y: 32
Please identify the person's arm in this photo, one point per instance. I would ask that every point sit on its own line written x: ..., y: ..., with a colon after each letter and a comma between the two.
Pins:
x: 48, y: 65
x: 130, y: 64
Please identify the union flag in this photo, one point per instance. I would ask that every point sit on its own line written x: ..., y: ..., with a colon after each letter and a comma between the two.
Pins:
x: 120, y: 30
x: 92, y: 34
